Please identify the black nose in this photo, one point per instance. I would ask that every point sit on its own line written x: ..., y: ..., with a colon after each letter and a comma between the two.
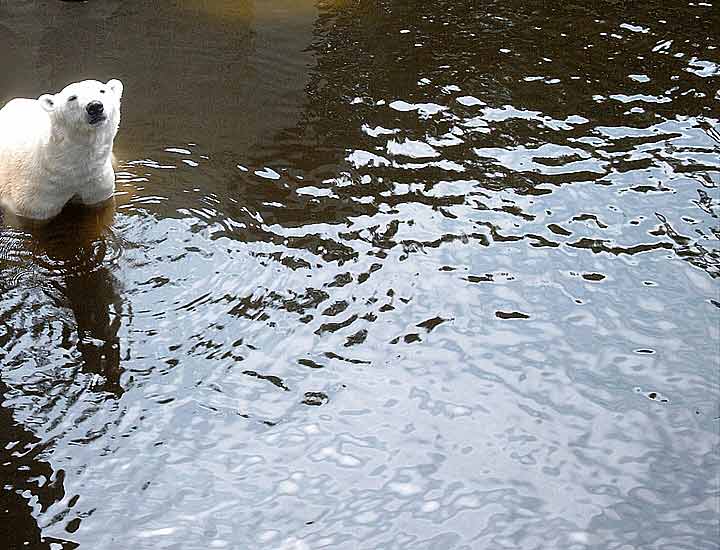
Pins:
x: 94, y: 108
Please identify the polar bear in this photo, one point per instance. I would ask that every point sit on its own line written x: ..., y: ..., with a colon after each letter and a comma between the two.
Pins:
x: 58, y: 148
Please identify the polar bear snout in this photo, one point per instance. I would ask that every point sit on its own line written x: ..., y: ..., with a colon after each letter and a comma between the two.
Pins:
x: 95, y: 111
x: 95, y: 108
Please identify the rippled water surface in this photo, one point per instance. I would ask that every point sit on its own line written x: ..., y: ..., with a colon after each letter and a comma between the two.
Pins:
x: 380, y: 275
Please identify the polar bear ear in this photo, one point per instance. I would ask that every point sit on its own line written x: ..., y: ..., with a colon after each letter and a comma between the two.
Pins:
x: 116, y: 86
x: 47, y: 102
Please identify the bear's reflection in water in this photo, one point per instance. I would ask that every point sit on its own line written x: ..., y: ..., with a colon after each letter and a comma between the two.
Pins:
x: 70, y: 258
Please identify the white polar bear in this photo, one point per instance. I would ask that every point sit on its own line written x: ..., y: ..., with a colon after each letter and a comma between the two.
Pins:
x: 58, y: 148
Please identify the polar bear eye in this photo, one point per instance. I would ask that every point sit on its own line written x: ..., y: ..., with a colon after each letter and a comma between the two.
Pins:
x: 72, y: 98
x: 102, y: 91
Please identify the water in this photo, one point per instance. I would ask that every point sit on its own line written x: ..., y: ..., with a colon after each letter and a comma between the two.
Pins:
x: 379, y: 275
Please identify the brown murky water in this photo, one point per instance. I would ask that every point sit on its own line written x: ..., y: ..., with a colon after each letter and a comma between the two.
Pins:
x: 380, y: 275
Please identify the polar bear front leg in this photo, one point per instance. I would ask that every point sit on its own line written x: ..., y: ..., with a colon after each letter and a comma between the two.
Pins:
x: 99, y: 191
x: 37, y: 211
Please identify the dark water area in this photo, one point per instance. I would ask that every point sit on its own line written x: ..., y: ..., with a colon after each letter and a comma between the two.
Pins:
x: 379, y: 275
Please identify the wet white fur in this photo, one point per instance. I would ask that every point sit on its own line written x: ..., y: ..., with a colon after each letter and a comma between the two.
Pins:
x: 50, y: 154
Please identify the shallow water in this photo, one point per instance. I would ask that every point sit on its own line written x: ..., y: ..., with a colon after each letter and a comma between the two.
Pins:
x: 379, y: 275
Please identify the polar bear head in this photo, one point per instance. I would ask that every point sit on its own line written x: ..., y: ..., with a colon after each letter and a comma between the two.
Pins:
x: 86, y: 107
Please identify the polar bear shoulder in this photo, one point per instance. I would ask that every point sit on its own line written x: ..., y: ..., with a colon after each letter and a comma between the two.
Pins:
x: 23, y: 121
